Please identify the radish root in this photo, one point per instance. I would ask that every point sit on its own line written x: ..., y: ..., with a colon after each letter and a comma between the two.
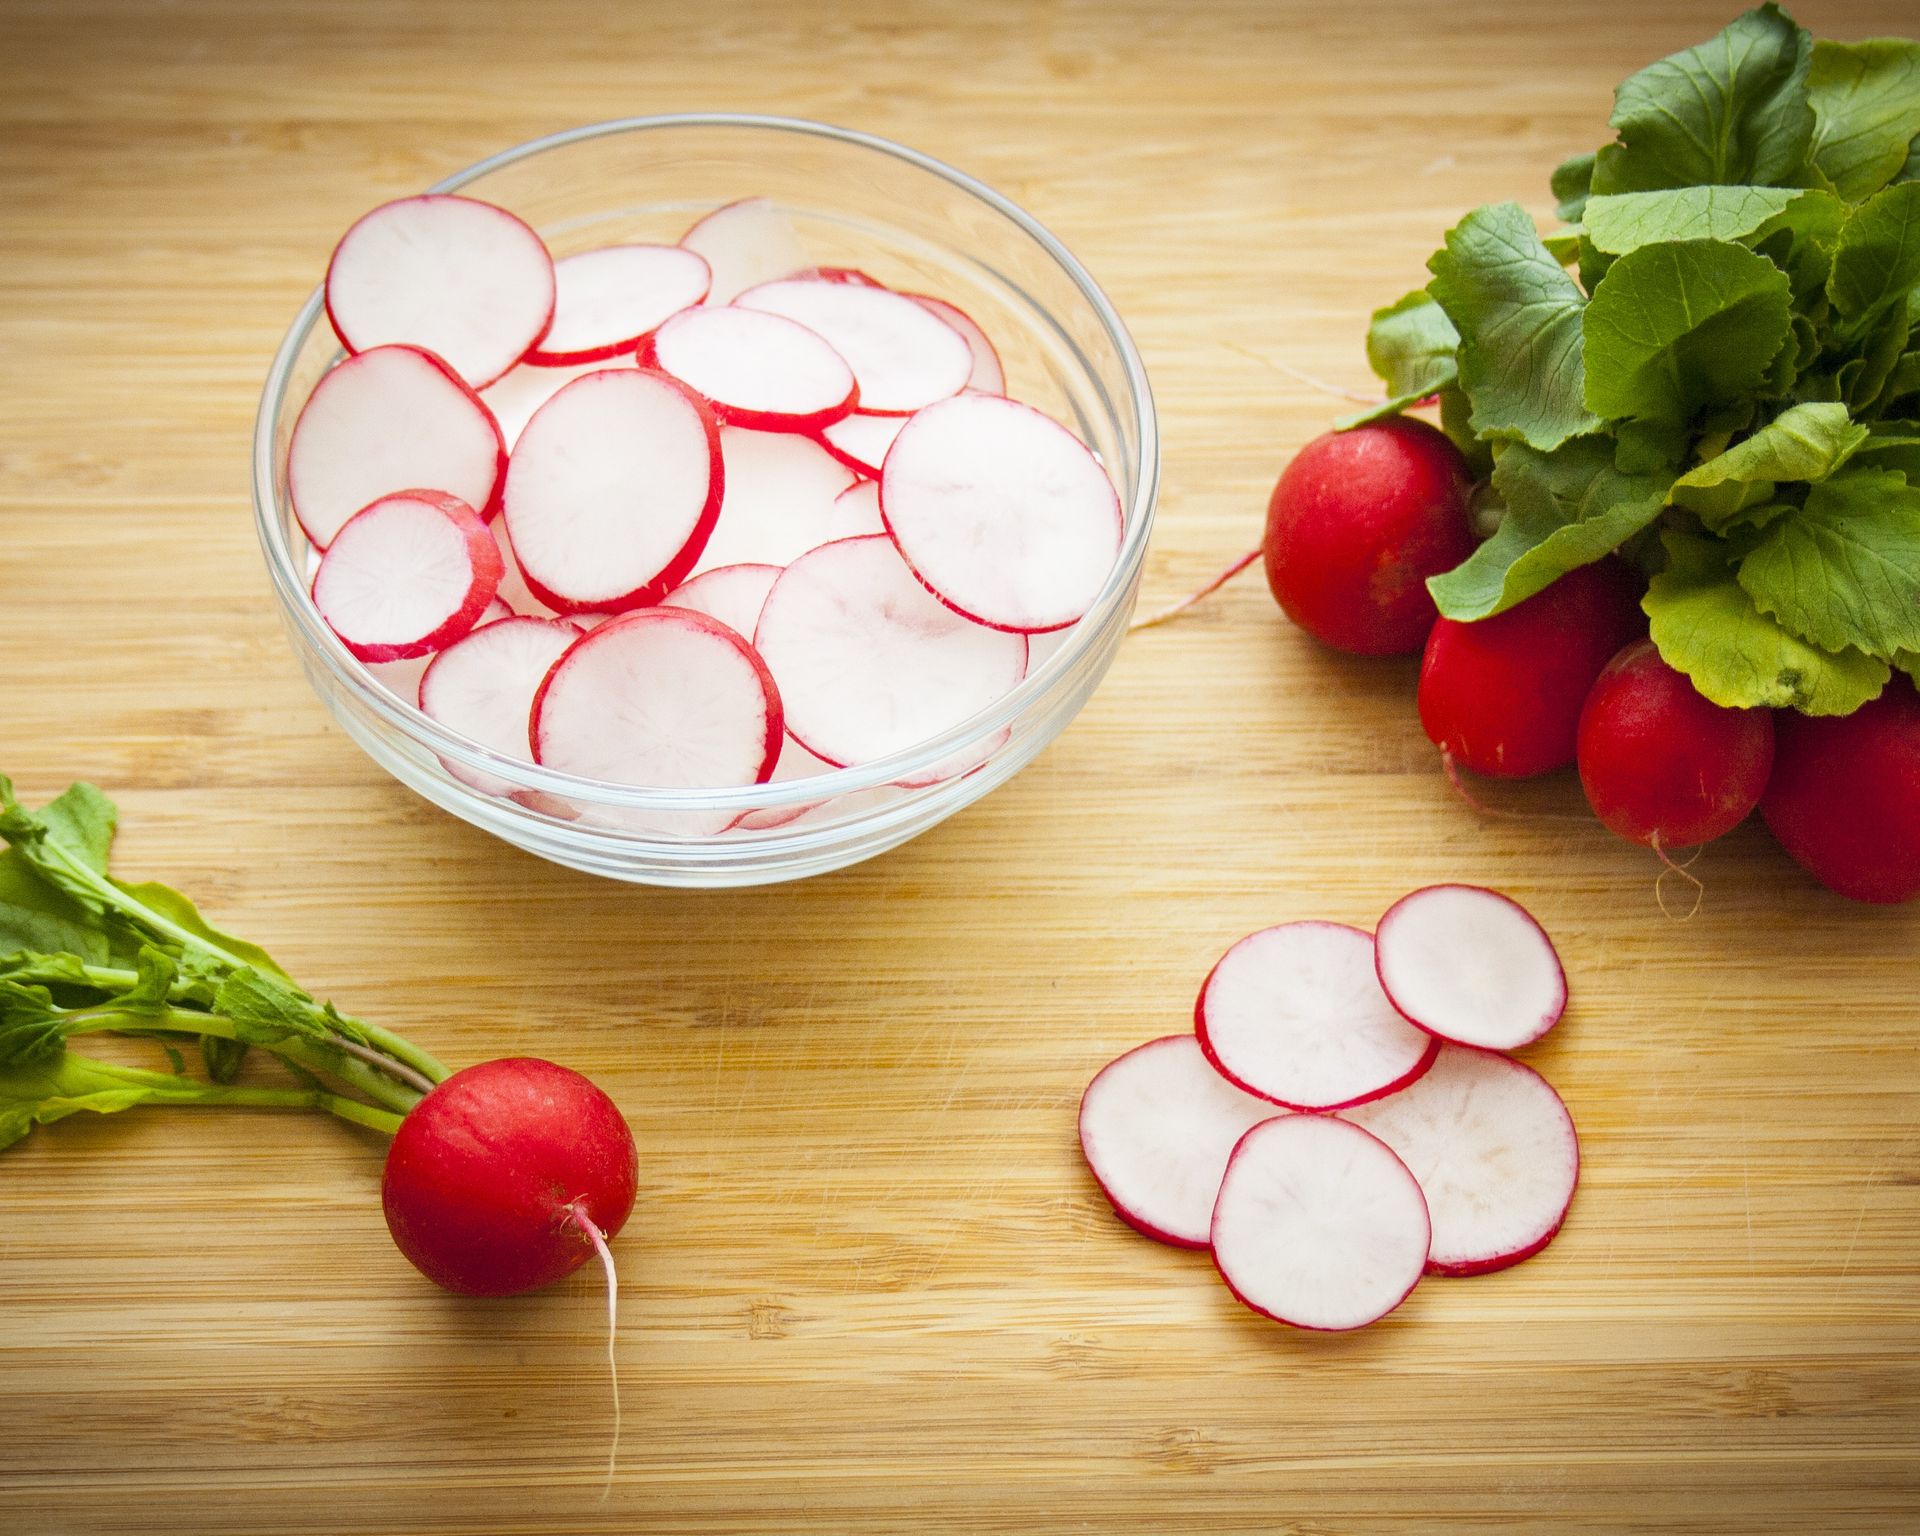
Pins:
x: 1308, y: 379
x: 577, y: 1213
x: 1685, y: 872
x: 1452, y: 770
x: 1174, y: 610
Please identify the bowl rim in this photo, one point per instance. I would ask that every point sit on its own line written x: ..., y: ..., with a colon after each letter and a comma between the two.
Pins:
x: 319, y: 641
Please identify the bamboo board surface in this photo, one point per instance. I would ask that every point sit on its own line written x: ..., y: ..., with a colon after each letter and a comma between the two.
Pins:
x: 869, y: 1286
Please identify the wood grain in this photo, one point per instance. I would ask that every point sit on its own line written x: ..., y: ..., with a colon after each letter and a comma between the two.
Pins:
x: 870, y: 1288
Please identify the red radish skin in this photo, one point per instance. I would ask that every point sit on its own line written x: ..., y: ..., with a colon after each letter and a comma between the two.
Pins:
x: 345, y: 452
x: 463, y: 279
x: 1844, y: 799
x: 407, y: 575
x: 846, y: 275
x: 1502, y: 696
x: 860, y: 441
x: 903, y: 354
x: 490, y: 1174
x: 1661, y: 764
x: 1470, y: 965
x: 522, y: 390
x: 755, y: 369
x: 1357, y: 523
x: 607, y: 301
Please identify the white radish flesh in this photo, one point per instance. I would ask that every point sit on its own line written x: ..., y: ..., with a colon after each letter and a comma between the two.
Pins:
x: 988, y: 376
x: 1470, y: 965
x: 1295, y: 1014
x: 868, y: 664
x: 612, y: 491
x: 861, y: 442
x: 1494, y: 1150
x: 483, y: 687
x: 744, y: 244
x: 780, y: 500
x: 606, y: 300
x: 796, y: 762
x: 465, y: 280
x: 1156, y: 1127
x: 407, y: 575
x: 1002, y: 512
x: 514, y: 397
x: 402, y: 678
x: 756, y: 369
x: 390, y: 419
x: 733, y: 594
x: 903, y: 354
x: 1319, y: 1224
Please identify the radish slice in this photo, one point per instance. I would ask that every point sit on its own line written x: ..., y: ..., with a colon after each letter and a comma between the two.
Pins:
x: 988, y: 377
x: 1295, y: 1014
x: 613, y: 490
x: 844, y: 275
x: 1157, y: 1127
x: 390, y: 419
x: 664, y: 698
x: 745, y: 244
x: 483, y: 687
x: 1002, y: 512
x: 516, y: 395
x: 861, y: 442
x: 903, y: 354
x: 1470, y: 965
x: 860, y: 506
x: 1494, y: 1150
x: 605, y: 301
x: 1319, y: 1224
x: 757, y: 370
x: 461, y: 278
x: 407, y: 575
x: 733, y: 594
x: 779, y: 500
x: 402, y: 678
x: 868, y: 664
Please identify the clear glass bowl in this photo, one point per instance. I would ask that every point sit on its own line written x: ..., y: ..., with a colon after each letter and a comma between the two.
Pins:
x: 856, y: 201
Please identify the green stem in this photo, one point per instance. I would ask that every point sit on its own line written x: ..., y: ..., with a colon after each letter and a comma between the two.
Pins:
x: 175, y: 1090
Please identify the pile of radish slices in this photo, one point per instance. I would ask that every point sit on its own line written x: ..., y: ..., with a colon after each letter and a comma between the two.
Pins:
x: 679, y: 516
x: 1342, y: 1118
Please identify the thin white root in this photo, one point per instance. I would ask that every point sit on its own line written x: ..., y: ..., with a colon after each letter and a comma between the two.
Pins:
x: 1308, y: 379
x: 1460, y: 787
x: 1685, y: 872
x: 1174, y: 610
x: 578, y: 1214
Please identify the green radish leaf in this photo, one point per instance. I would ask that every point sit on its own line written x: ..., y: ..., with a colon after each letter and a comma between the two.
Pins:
x: 1626, y: 221
x: 156, y: 972
x: 1673, y: 328
x: 1706, y: 626
x: 1411, y: 345
x: 1866, y: 110
x: 1518, y: 314
x: 1894, y: 445
x: 265, y: 1009
x: 1800, y: 240
x: 36, y: 917
x: 1803, y: 443
x: 1877, y: 262
x: 1731, y: 111
x: 1909, y: 663
x: 81, y: 820
x: 171, y: 905
x: 1572, y: 180
x: 1845, y: 569
x: 1563, y: 245
x: 31, y: 1027
x: 42, y: 1091
x: 1566, y: 508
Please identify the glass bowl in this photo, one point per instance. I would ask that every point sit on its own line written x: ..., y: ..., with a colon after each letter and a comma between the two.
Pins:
x: 855, y: 200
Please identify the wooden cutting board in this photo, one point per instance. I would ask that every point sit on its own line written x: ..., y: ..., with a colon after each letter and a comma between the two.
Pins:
x: 869, y: 1286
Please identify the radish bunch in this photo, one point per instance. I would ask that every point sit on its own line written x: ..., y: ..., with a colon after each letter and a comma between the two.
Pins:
x: 679, y: 516
x: 1342, y: 1118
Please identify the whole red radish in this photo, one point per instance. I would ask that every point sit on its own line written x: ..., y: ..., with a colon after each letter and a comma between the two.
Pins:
x: 507, y: 1177
x: 1357, y: 523
x: 1661, y: 764
x: 1844, y: 799
x: 1503, y: 695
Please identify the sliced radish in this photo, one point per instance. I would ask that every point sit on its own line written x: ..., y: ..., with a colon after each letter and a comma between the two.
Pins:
x: 483, y: 686
x: 402, y: 678
x: 605, y: 301
x: 1319, y: 1224
x: 1002, y: 512
x: 988, y: 376
x: 407, y: 575
x: 664, y: 698
x: 1157, y: 1127
x: 1295, y: 1014
x: 461, y: 278
x: 390, y: 419
x: 1470, y: 965
x: 868, y: 664
x: 523, y: 389
x: 903, y: 354
x: 613, y: 490
x: 745, y: 244
x: 845, y: 275
x: 860, y: 507
x: 780, y: 500
x: 1494, y: 1150
x: 861, y: 441
x: 733, y: 594
x: 757, y: 369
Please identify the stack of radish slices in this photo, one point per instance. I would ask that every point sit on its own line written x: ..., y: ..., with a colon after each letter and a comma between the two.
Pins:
x: 679, y: 516
x: 1342, y: 1119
